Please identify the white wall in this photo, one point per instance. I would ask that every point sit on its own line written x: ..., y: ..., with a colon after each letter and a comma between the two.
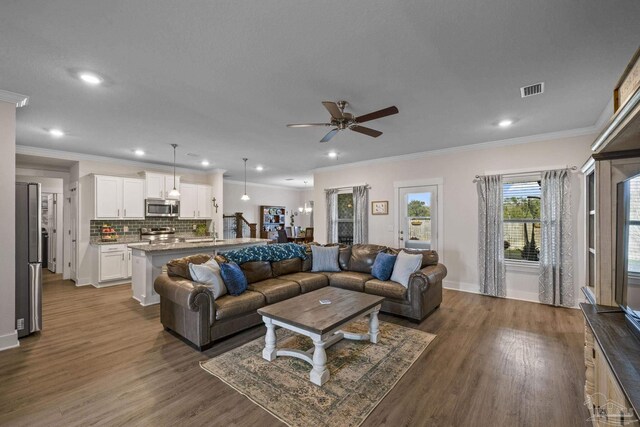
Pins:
x: 457, y: 169
x: 261, y: 195
x: 8, y: 335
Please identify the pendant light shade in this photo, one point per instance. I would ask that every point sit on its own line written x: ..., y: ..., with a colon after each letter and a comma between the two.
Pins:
x: 245, y: 197
x: 174, y: 192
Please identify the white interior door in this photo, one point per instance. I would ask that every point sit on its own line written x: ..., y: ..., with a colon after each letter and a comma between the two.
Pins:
x: 53, y: 232
x: 73, y: 215
x: 418, y: 216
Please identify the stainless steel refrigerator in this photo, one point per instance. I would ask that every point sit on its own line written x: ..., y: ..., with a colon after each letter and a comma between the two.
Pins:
x: 28, y: 259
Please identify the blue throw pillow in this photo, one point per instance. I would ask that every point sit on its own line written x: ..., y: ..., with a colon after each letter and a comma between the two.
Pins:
x: 233, y: 278
x: 383, y: 266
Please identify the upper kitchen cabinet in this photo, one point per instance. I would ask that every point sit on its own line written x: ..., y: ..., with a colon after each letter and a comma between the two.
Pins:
x: 195, y: 201
x: 118, y: 198
x: 159, y: 185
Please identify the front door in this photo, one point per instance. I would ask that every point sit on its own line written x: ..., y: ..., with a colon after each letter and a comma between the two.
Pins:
x: 417, y: 217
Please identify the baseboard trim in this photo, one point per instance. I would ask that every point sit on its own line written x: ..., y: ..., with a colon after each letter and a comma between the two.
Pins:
x: 472, y: 288
x: 9, y: 340
x: 109, y: 284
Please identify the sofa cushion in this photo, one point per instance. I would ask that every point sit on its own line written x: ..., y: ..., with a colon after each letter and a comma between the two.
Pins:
x: 387, y: 289
x: 209, y: 275
x: 287, y: 266
x: 406, y: 265
x: 275, y: 290
x: 383, y: 266
x: 180, y: 267
x: 429, y: 257
x: 256, y: 271
x: 351, y: 280
x: 325, y: 258
x: 308, y: 281
x: 234, y: 279
x: 363, y: 257
x: 229, y: 306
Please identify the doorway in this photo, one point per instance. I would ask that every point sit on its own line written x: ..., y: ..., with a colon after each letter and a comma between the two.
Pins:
x: 418, y: 215
x: 73, y: 230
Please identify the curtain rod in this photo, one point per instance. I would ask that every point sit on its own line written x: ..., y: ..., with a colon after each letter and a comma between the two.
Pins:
x: 573, y: 169
x: 347, y: 187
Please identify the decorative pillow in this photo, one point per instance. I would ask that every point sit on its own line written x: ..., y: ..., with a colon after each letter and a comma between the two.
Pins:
x: 233, y: 278
x: 406, y: 264
x: 209, y: 275
x: 180, y: 266
x: 325, y: 258
x: 383, y: 266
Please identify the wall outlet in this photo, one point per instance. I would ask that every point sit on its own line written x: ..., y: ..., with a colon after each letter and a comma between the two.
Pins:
x: 125, y: 229
x: 20, y: 324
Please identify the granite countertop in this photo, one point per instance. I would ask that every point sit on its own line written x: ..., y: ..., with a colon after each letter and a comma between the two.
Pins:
x: 204, y: 242
x: 136, y: 239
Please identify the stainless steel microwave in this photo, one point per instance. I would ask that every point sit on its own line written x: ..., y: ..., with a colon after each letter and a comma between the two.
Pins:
x: 159, y: 207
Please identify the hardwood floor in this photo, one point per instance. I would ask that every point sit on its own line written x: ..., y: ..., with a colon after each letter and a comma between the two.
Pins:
x: 102, y: 359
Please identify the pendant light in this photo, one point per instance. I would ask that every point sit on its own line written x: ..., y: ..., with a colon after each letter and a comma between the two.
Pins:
x: 306, y: 209
x: 244, y: 196
x: 174, y: 192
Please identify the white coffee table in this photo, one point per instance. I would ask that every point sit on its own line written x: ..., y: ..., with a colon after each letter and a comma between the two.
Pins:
x: 322, y: 323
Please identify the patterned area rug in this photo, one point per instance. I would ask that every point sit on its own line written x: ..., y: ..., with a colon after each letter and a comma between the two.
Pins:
x: 361, y: 375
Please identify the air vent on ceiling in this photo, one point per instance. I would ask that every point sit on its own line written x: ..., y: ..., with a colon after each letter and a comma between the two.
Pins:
x: 531, y: 90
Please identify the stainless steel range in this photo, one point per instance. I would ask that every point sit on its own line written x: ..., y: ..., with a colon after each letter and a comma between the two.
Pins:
x: 160, y: 235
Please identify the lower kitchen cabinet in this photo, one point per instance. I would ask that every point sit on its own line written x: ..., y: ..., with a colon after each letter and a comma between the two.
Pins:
x: 114, y: 263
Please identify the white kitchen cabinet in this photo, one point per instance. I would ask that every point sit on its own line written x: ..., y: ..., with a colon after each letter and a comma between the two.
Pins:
x: 108, y: 195
x: 118, y: 198
x: 195, y: 201
x: 204, y: 201
x: 159, y: 185
x: 188, y: 201
x: 114, y: 261
x: 132, y: 198
x: 129, y: 262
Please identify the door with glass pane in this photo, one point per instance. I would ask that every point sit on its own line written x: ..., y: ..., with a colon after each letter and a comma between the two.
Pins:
x: 417, y: 215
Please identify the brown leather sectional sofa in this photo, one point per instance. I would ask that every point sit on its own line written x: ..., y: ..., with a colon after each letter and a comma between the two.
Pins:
x: 188, y: 308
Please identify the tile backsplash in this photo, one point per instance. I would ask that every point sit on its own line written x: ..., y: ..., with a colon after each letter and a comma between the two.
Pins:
x: 181, y: 225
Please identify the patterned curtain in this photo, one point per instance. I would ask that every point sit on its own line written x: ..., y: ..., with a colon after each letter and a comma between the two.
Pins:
x: 360, y: 214
x: 332, y: 215
x: 556, y: 263
x: 490, y: 237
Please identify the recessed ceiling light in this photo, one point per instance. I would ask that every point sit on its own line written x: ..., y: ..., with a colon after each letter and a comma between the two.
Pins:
x: 205, y: 163
x: 259, y: 168
x: 505, y: 123
x: 333, y: 154
x: 139, y: 152
x: 90, y: 78
x: 56, y: 133
x: 288, y: 179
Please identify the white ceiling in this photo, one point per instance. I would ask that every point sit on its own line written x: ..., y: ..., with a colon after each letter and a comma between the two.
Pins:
x: 221, y: 79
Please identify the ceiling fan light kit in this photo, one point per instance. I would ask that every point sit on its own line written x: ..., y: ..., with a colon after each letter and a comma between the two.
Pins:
x: 340, y: 120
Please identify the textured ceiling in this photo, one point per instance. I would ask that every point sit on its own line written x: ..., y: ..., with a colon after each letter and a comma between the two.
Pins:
x: 221, y: 79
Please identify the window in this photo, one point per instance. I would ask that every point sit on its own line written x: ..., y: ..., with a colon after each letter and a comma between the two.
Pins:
x: 634, y: 227
x: 521, y: 210
x: 345, y: 218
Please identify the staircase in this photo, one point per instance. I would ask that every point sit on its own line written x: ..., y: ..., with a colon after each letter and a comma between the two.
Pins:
x: 236, y: 227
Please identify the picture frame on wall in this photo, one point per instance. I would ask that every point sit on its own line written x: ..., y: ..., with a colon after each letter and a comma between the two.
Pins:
x: 380, y: 208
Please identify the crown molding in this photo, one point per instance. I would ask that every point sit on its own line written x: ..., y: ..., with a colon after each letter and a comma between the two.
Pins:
x: 470, y: 147
x: 14, y: 98
x: 73, y: 156
x: 255, y: 184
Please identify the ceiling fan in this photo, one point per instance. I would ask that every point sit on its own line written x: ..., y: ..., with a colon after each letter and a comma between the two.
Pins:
x: 341, y: 120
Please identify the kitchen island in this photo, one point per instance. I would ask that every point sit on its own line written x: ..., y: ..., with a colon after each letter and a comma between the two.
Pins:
x: 149, y: 259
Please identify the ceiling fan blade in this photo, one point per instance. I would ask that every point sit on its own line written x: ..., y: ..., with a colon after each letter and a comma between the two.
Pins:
x: 307, y: 125
x: 333, y: 109
x: 330, y: 135
x: 367, y: 131
x: 378, y: 114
